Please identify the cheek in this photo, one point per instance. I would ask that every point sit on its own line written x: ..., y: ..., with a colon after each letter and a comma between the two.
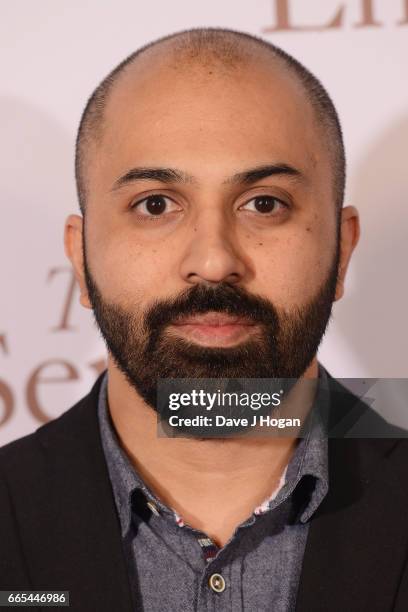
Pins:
x: 128, y: 267
x: 125, y: 270
x: 290, y: 269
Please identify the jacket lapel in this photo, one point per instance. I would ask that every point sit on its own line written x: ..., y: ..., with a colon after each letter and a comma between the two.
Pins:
x: 76, y: 544
x: 355, y: 550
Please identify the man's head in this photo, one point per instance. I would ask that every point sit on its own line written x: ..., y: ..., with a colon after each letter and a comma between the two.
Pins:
x: 210, y: 169
x: 227, y: 50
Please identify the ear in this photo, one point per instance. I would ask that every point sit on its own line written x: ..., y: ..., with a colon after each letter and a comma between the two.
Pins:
x: 74, y: 227
x: 349, y: 236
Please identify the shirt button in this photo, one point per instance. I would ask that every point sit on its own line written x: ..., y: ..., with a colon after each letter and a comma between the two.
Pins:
x: 217, y: 583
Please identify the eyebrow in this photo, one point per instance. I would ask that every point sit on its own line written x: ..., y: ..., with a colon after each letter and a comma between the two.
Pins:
x: 260, y: 172
x: 172, y: 175
x: 162, y: 175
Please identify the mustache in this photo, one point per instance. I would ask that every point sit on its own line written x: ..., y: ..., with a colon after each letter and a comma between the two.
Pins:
x: 200, y: 299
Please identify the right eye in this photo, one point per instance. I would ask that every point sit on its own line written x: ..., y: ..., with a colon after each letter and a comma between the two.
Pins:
x: 155, y: 206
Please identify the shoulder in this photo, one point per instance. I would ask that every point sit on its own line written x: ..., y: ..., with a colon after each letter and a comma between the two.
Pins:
x: 367, y: 456
x: 27, y: 455
x: 350, y: 416
x: 56, y: 499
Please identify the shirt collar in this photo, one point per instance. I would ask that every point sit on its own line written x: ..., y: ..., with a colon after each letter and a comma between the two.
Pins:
x: 309, y: 466
x: 309, y: 460
x: 124, y: 478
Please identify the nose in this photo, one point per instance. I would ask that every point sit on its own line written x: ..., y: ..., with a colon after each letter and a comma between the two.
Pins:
x: 212, y: 254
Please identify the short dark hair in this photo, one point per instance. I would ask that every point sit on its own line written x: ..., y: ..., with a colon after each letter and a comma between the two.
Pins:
x: 228, y: 47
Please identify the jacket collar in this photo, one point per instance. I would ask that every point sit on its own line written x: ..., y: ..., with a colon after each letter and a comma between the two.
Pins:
x: 348, y: 533
x: 82, y: 536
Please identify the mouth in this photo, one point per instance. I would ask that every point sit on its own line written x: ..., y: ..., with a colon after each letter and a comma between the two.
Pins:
x: 215, y: 329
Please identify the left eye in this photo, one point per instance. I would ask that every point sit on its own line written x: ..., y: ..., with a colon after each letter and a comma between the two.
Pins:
x: 154, y: 206
x: 265, y: 205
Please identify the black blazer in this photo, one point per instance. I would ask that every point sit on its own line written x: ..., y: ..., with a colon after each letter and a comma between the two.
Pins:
x: 59, y: 528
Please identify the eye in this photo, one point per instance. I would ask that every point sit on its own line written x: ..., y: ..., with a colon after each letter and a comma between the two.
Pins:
x: 154, y: 206
x: 265, y: 205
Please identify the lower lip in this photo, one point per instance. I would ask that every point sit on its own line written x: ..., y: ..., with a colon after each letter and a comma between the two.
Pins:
x: 215, y: 335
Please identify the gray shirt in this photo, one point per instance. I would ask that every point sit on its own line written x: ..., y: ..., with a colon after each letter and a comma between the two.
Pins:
x: 173, y: 567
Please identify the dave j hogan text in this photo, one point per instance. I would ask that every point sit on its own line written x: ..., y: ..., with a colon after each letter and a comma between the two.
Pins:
x: 222, y: 421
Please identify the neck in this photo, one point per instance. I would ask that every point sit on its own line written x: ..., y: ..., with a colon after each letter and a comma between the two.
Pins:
x: 201, y: 479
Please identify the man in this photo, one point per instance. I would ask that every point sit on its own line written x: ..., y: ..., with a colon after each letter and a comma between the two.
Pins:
x: 213, y: 242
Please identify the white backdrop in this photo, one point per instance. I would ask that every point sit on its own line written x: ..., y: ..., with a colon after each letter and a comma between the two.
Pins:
x: 55, y: 53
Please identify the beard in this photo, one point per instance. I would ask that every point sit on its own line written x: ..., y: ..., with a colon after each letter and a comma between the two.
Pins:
x: 145, y: 351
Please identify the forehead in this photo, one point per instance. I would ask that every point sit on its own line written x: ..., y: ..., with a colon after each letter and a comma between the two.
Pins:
x: 204, y: 113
